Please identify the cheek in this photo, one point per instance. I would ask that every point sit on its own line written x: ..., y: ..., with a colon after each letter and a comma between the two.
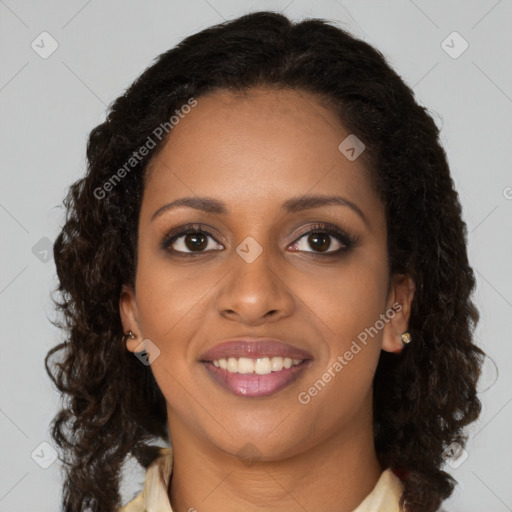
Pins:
x: 168, y: 305
x: 347, y: 299
x: 167, y: 296
x: 348, y: 306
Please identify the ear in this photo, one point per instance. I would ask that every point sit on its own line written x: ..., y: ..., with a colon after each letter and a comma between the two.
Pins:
x: 129, y: 317
x: 401, y: 293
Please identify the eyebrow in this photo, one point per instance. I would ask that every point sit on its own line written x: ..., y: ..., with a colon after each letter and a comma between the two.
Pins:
x: 295, y: 204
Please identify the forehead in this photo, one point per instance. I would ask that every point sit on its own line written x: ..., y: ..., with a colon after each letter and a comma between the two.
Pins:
x: 262, y: 143
x: 276, y: 118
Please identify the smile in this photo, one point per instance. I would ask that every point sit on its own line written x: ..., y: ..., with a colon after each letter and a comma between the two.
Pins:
x: 255, y: 367
x: 255, y: 378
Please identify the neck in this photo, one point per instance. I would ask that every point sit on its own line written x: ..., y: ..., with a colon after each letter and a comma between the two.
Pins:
x: 334, y: 474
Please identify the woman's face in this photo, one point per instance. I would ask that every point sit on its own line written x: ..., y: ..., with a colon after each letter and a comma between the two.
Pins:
x: 257, y: 171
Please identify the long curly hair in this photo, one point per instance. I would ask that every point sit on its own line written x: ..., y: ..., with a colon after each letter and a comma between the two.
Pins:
x: 423, y: 398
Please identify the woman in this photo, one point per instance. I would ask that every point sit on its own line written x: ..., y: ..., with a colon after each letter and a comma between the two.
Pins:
x: 265, y: 267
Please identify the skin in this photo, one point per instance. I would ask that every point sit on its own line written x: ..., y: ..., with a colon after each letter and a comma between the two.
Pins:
x: 253, y: 152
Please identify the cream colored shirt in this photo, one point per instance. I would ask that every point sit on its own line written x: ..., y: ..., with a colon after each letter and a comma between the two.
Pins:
x: 383, y: 498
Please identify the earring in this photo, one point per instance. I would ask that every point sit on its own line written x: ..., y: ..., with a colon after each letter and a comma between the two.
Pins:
x: 129, y: 334
x: 406, y: 338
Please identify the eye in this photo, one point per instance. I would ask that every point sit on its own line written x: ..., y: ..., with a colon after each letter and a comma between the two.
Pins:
x: 325, y: 239
x: 190, y: 240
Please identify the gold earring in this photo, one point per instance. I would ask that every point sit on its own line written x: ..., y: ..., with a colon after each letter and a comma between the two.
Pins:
x: 406, y: 338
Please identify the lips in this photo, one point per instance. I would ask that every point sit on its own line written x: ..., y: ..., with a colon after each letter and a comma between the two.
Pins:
x: 253, y: 385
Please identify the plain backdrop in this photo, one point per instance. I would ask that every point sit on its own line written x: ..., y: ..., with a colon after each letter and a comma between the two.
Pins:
x: 64, y: 61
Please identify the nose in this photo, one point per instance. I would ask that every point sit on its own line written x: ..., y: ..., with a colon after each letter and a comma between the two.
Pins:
x: 254, y: 293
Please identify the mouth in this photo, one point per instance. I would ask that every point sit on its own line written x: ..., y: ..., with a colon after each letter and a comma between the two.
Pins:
x: 255, y: 368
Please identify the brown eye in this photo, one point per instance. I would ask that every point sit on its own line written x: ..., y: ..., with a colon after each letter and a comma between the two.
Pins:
x: 319, y: 241
x: 323, y: 240
x: 191, y: 241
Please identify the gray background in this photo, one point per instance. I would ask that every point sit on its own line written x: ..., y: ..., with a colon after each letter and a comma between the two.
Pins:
x: 49, y: 105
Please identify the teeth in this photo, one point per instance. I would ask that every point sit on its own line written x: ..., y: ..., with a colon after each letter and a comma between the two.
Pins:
x: 260, y: 366
x: 276, y: 364
x: 232, y: 365
x: 245, y: 365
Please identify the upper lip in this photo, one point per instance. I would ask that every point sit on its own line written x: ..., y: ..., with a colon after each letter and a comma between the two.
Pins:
x: 254, y: 348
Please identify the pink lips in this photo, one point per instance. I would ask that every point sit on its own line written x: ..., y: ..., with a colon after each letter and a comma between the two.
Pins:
x: 253, y: 385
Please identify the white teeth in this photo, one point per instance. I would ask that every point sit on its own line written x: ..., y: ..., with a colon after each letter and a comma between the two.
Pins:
x: 260, y: 366
x: 245, y: 365
x: 232, y: 365
x: 277, y: 364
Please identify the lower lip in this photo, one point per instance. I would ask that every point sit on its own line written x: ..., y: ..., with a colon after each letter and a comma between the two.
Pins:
x: 252, y: 385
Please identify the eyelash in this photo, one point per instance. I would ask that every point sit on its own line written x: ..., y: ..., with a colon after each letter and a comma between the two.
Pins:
x: 320, y: 228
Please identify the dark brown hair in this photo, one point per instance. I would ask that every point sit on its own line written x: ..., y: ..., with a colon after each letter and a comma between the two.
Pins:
x: 423, y: 398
